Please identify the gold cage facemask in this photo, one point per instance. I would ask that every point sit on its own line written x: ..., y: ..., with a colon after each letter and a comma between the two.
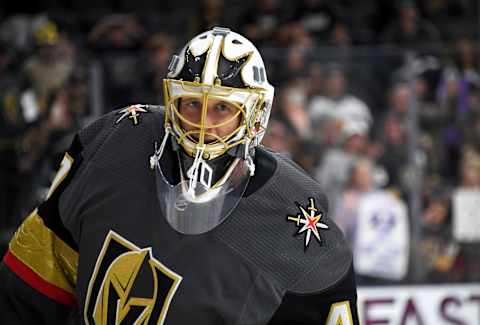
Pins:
x: 194, y: 133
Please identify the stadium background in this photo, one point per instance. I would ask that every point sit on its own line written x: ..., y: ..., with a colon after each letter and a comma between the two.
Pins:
x: 378, y: 100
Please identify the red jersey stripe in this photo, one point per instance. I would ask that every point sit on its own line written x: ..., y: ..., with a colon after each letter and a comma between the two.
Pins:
x: 33, y: 280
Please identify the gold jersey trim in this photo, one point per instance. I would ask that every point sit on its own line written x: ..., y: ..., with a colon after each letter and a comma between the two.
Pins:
x: 45, y: 253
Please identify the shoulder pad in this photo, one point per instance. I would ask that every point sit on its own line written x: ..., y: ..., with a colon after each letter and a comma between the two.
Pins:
x: 93, y: 135
x: 277, y: 241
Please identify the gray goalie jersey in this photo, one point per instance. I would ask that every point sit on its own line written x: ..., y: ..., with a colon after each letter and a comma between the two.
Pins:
x: 98, y: 250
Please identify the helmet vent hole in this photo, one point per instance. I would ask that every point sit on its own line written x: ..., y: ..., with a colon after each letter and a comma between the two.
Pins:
x: 236, y: 41
x: 203, y: 37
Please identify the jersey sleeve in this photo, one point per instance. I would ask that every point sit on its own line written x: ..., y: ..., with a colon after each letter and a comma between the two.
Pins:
x: 39, y: 270
x: 335, y: 305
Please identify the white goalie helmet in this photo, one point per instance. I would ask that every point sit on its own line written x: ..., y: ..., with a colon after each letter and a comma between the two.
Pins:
x: 219, y: 64
x: 223, y: 67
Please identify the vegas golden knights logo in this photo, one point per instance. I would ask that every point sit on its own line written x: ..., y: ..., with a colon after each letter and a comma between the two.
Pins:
x: 128, y: 286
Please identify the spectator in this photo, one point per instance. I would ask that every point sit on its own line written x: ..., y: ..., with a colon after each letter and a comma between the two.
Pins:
x: 293, y: 108
x: 451, y: 98
x: 116, y: 32
x: 16, y: 31
x: 392, y: 131
x: 317, y: 17
x: 466, y: 59
x: 315, y: 80
x: 440, y: 253
x: 336, y: 107
x: 399, y: 101
x: 50, y: 66
x: 360, y: 182
x: 31, y: 105
x: 294, y: 89
x: 466, y: 225
x: 116, y: 40
x: 472, y: 125
x: 149, y: 87
x: 298, y: 48
x: 333, y: 170
x: 394, y: 155
x: 45, y: 75
x: 295, y: 65
x: 382, y: 238
x: 341, y: 41
x: 433, y: 119
x: 261, y: 21
x: 409, y: 30
x: 278, y: 138
x: 210, y: 14
x: 448, y: 16
x: 340, y: 36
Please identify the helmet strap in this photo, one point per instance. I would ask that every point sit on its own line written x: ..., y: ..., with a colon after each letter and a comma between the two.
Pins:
x: 157, y: 154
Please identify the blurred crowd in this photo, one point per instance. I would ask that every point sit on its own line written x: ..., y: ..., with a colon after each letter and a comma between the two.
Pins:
x: 377, y: 100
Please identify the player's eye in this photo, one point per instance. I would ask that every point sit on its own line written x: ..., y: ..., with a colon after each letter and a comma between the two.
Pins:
x: 192, y: 104
x: 224, y: 108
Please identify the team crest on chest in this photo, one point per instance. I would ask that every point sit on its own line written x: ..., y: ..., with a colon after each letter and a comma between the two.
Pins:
x: 308, y: 221
x: 128, y: 285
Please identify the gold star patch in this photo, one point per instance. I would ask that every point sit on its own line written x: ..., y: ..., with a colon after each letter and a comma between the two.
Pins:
x: 308, y: 222
x: 132, y: 112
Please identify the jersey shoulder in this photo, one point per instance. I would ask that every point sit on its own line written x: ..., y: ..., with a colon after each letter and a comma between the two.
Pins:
x: 111, y: 151
x: 124, y: 120
x: 290, y: 236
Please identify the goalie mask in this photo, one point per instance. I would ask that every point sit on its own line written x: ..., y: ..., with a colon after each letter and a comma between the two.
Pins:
x: 217, y: 105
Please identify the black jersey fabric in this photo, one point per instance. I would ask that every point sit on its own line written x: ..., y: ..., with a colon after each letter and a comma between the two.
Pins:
x: 112, y: 257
